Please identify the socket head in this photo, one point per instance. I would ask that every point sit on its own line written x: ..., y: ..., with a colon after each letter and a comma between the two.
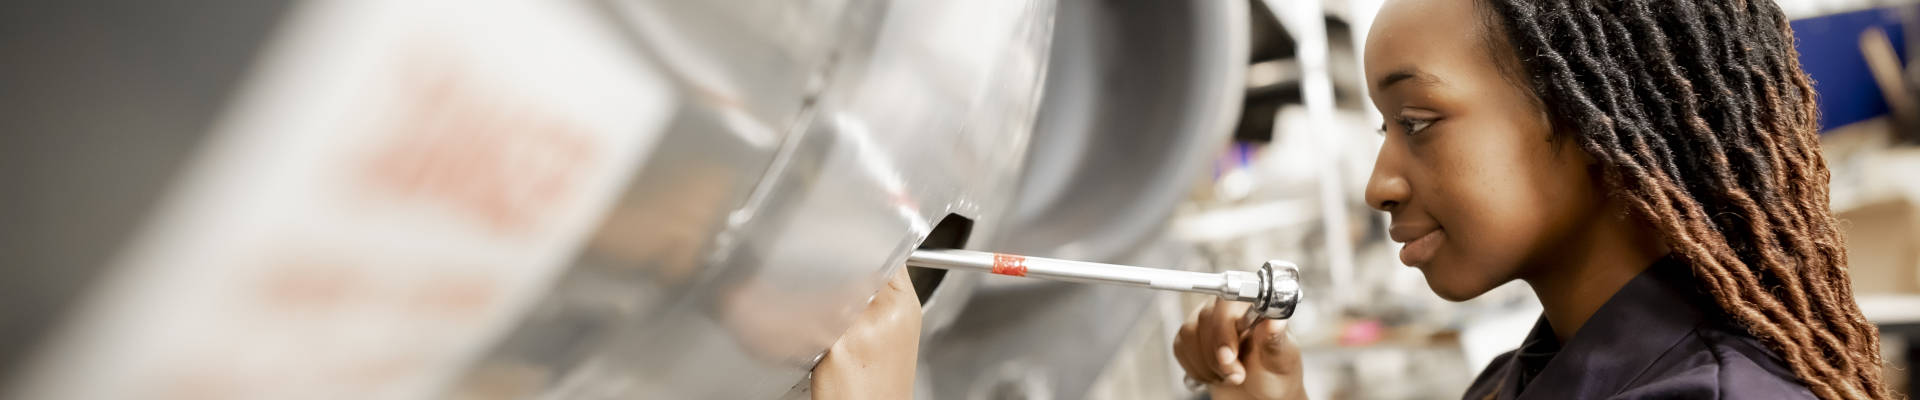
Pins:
x: 1279, y: 291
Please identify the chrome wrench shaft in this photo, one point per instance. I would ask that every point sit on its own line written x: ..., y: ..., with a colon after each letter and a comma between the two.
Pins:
x: 1274, y: 289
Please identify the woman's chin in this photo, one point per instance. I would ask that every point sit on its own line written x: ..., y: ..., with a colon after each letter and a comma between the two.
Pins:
x: 1455, y: 295
x: 1453, y: 286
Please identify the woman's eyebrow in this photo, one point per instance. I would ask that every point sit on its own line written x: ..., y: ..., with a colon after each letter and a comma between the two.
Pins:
x: 1406, y: 74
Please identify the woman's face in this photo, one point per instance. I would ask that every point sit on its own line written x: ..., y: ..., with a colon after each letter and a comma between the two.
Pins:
x: 1478, y: 187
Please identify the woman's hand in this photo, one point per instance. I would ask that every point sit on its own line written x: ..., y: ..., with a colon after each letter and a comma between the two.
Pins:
x: 876, y: 357
x: 1261, y: 364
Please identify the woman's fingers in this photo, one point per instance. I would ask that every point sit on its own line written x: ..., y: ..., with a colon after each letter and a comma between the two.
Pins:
x: 1273, y: 363
x: 1277, y: 352
x: 1220, y: 338
x: 1186, y: 353
x: 1207, y: 345
x: 1203, y: 350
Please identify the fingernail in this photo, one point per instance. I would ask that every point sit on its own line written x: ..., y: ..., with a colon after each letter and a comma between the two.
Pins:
x: 1226, y: 355
x: 1237, y: 378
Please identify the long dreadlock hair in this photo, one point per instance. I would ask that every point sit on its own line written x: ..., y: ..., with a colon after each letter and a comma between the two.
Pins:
x: 1703, y: 122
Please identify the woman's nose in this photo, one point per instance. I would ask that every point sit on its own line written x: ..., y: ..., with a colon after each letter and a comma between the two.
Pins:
x: 1387, y: 189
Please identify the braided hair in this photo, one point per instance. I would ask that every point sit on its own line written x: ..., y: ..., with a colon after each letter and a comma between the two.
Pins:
x: 1702, y: 121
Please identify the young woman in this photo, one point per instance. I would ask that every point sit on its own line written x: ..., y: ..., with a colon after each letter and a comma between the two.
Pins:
x: 1649, y: 167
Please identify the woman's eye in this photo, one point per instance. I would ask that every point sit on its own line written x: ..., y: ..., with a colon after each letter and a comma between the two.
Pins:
x: 1414, y: 126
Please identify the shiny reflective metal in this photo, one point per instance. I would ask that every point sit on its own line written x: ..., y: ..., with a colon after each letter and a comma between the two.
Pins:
x: 1279, y: 292
x: 1274, y: 289
x: 812, y: 146
x: 818, y: 143
x: 1140, y: 96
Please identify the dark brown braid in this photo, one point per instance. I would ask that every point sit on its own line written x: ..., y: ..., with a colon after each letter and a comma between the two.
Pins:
x: 1704, y: 123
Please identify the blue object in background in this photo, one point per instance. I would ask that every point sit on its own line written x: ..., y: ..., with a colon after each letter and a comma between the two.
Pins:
x: 1830, y: 52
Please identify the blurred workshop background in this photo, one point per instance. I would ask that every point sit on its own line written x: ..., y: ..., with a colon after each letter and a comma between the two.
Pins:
x: 375, y: 199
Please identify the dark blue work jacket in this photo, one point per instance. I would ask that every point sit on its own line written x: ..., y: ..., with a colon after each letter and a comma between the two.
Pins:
x: 1657, y: 338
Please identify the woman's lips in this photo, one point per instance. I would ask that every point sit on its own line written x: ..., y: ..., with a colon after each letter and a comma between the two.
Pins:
x: 1421, y: 250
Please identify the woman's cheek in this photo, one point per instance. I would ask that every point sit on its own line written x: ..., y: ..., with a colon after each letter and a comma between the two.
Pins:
x: 1486, y: 232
